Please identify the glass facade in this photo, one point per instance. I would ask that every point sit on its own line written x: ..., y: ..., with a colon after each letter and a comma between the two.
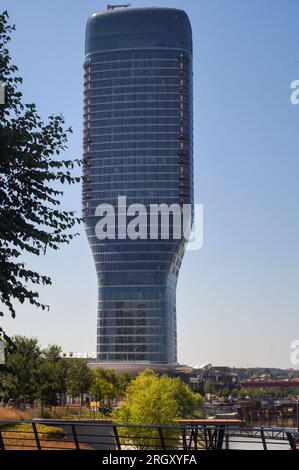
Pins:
x: 138, y: 143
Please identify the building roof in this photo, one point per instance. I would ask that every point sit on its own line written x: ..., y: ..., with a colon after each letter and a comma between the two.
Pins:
x: 128, y: 28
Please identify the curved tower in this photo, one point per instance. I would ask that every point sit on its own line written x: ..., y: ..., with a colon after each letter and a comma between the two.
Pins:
x: 138, y: 144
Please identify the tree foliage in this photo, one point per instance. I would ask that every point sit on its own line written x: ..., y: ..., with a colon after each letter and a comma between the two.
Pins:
x: 31, y: 172
x: 78, y: 378
x: 51, y: 376
x: 20, y: 377
x: 154, y: 400
x: 108, y: 385
x: 209, y: 387
x: 101, y: 388
x: 32, y: 373
x: 36, y: 376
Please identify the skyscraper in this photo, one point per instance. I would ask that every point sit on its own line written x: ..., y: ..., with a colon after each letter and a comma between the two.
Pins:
x: 138, y: 143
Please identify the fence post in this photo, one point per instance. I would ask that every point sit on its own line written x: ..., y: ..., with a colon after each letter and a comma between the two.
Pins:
x: 210, y: 439
x: 227, y: 440
x: 161, y: 438
x: 206, y: 439
x: 184, y: 439
x: 35, y: 432
x: 263, y: 439
x: 116, y: 437
x: 196, y: 438
x: 2, y: 446
x: 291, y: 441
x: 75, y: 437
x: 220, y: 437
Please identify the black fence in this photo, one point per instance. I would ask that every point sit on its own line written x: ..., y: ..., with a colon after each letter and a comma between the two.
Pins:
x: 73, y: 435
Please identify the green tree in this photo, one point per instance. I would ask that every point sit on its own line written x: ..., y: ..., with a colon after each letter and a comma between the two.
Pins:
x: 51, y: 376
x: 113, y: 384
x: 101, y: 389
x: 31, y: 172
x: 209, y: 387
x: 242, y: 394
x: 224, y: 392
x: 154, y: 400
x: 78, y: 378
x: 188, y: 401
x: 124, y: 379
x: 20, y: 376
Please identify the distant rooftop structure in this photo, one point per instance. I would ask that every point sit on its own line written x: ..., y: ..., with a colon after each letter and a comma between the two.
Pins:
x: 202, y: 366
x: 113, y: 7
x: 80, y: 355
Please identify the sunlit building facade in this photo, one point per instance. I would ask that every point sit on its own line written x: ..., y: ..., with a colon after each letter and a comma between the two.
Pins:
x: 138, y: 143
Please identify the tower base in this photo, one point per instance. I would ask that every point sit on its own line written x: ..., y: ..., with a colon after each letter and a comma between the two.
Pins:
x: 135, y: 368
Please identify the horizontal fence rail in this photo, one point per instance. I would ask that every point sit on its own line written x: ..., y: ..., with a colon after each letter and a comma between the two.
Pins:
x: 73, y: 435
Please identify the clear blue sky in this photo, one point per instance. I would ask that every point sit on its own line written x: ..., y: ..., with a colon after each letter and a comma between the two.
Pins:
x: 238, y: 297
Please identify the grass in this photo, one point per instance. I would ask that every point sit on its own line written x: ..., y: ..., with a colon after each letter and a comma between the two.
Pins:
x: 68, y: 412
x: 42, y: 429
x: 8, y: 413
x: 20, y: 436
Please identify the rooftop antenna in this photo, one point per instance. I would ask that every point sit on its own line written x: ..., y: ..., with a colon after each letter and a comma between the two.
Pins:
x: 112, y: 7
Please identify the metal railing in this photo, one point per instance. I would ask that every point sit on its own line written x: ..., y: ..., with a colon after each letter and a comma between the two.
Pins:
x: 73, y: 435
